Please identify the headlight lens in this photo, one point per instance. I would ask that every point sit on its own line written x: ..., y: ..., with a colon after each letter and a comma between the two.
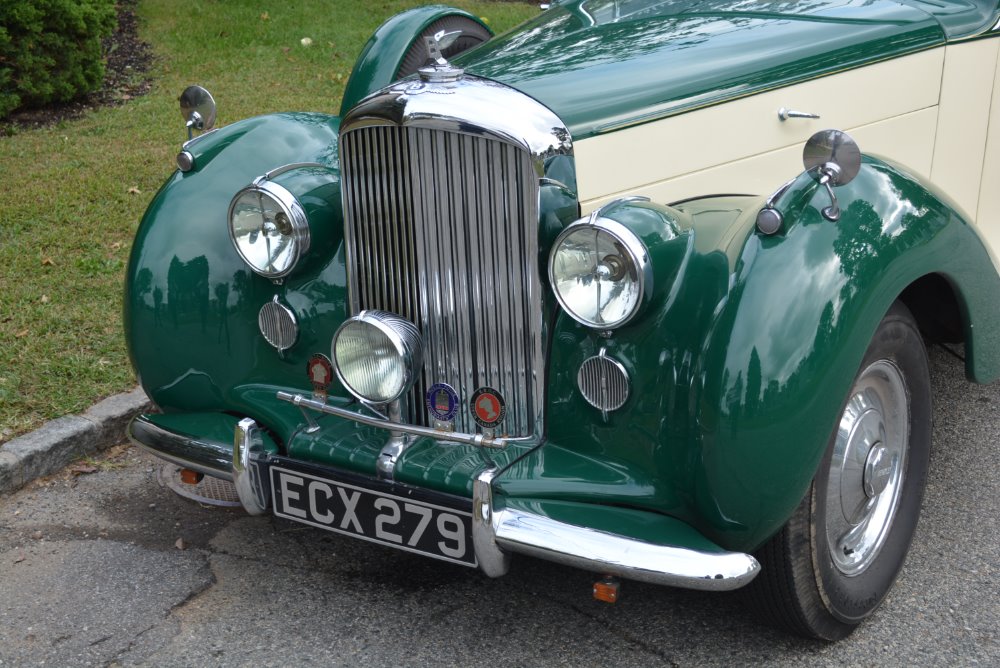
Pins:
x: 599, y: 271
x: 269, y: 228
x: 377, y: 355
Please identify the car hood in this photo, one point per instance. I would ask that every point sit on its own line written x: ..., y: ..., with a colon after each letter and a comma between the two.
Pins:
x: 605, y: 64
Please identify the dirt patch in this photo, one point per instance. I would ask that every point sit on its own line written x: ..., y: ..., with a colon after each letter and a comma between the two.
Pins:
x: 127, y: 63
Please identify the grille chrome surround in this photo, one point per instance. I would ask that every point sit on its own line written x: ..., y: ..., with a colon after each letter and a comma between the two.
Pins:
x: 457, y: 256
x: 603, y: 382
x: 441, y: 211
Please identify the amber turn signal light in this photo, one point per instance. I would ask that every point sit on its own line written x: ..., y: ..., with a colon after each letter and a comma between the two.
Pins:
x: 606, y: 589
x: 190, y: 477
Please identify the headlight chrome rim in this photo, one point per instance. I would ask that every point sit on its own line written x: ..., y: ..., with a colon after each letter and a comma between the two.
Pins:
x: 406, y: 342
x: 292, y: 210
x: 637, y: 254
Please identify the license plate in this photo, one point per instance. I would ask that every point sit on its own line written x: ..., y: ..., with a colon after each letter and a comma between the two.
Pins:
x: 404, y: 523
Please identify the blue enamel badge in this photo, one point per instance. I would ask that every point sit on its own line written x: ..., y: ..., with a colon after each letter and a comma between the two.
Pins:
x: 442, y: 402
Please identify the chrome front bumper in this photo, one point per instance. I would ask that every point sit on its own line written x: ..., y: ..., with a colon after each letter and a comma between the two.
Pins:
x: 496, y: 533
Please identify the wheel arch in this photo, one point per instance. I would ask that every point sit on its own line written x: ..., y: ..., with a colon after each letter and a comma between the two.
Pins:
x: 935, y: 305
x: 386, y: 49
x: 945, y: 313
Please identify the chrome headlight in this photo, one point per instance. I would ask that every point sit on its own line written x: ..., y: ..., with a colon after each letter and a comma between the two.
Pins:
x: 377, y: 356
x: 599, y: 271
x: 269, y: 228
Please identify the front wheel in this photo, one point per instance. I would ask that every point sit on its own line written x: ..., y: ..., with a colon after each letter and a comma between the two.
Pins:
x: 835, y: 560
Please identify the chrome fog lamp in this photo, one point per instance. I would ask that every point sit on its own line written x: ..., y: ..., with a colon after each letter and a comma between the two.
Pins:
x: 600, y: 271
x: 377, y: 356
x: 269, y: 228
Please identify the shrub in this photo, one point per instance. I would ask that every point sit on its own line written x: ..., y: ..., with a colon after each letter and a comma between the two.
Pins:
x: 50, y: 50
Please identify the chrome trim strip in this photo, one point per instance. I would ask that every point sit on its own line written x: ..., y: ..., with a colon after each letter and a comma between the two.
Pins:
x: 208, y: 457
x: 277, y: 171
x: 480, y: 440
x: 610, y: 554
x: 194, y: 140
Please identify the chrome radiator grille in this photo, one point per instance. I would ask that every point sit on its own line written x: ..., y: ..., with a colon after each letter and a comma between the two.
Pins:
x: 442, y: 228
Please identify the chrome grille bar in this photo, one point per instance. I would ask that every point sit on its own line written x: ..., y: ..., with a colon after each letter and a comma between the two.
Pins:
x: 442, y: 228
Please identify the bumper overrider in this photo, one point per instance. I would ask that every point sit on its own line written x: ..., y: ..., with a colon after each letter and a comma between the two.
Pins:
x: 497, y: 529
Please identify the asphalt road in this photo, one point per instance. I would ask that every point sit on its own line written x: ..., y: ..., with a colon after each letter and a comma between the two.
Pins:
x: 91, y: 574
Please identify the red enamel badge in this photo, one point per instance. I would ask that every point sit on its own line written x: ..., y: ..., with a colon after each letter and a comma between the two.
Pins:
x: 320, y: 370
x: 488, y: 407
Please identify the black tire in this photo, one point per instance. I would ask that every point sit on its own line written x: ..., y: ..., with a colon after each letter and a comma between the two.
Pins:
x: 473, y: 34
x: 819, y: 576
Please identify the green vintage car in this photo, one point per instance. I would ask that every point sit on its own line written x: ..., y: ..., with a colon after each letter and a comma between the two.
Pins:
x: 616, y: 289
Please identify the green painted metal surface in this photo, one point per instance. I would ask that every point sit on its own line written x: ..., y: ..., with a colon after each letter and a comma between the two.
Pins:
x: 600, y: 69
x: 382, y: 55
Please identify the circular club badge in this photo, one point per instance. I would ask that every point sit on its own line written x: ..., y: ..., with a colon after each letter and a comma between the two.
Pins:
x: 442, y: 402
x: 488, y: 407
x: 320, y: 370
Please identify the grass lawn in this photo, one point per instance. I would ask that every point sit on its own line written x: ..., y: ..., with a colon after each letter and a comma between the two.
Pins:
x: 71, y: 195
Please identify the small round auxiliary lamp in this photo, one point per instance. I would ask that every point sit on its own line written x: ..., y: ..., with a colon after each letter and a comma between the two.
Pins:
x: 377, y: 356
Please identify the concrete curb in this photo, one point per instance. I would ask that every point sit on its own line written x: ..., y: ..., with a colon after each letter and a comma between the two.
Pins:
x: 63, y: 440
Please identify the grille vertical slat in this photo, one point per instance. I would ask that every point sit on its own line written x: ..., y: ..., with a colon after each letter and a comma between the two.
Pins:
x: 442, y: 229
x: 369, y: 195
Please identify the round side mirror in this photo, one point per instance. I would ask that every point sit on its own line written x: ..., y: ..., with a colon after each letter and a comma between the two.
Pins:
x: 834, y: 155
x: 833, y: 159
x: 197, y: 109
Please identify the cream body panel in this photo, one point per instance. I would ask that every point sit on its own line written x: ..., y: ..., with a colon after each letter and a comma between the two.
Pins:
x: 764, y: 173
x: 646, y: 156
x: 988, y: 218
x: 963, y: 118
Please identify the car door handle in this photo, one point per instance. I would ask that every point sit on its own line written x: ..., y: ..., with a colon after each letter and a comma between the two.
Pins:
x: 784, y: 114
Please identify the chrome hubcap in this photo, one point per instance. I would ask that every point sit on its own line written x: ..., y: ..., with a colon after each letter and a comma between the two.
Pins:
x: 866, y: 472
x: 879, y: 468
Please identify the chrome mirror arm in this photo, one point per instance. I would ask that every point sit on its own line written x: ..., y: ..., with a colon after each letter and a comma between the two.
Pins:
x: 195, y: 122
x: 829, y: 176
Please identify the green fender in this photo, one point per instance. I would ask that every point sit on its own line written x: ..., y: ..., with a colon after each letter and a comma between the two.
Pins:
x: 742, y: 360
x: 191, y: 303
x: 382, y: 55
x: 781, y: 357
